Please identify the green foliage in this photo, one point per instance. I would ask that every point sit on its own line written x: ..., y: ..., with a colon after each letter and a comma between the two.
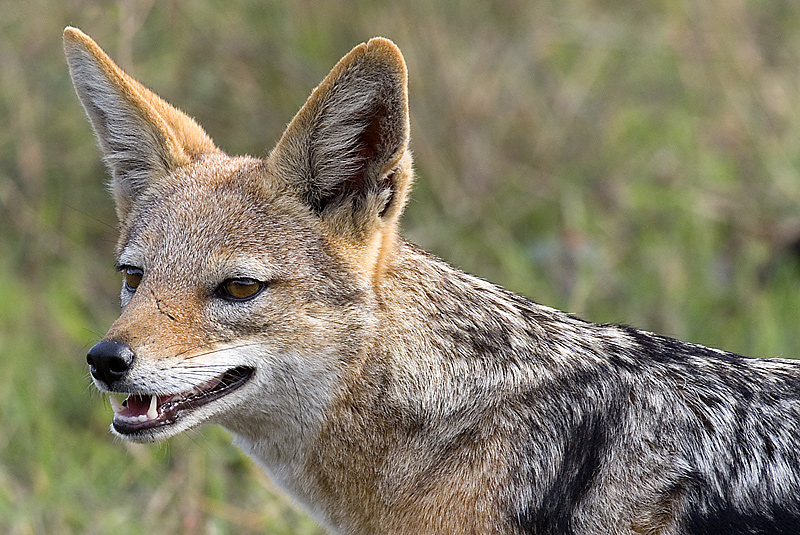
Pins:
x: 630, y: 162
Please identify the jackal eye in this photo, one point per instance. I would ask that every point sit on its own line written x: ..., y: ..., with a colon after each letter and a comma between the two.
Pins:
x: 133, y: 277
x: 240, y: 289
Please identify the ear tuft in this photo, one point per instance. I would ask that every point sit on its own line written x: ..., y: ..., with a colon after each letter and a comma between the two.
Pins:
x: 346, y: 151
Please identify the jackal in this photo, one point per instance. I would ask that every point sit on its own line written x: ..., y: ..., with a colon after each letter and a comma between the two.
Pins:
x: 386, y: 391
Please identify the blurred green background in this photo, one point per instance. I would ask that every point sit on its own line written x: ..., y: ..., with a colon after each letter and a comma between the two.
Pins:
x: 627, y: 161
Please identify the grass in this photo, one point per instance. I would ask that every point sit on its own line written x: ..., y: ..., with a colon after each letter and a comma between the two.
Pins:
x: 629, y: 162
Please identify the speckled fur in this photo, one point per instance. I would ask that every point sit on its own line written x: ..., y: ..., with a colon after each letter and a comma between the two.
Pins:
x: 393, y: 393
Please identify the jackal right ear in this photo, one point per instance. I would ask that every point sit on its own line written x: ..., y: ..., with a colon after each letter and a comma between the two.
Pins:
x: 346, y: 151
x: 142, y: 137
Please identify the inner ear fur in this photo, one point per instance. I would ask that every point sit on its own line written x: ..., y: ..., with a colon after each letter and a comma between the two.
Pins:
x: 346, y: 151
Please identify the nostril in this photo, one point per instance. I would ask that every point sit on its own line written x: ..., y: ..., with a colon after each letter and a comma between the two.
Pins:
x: 118, y: 365
x: 109, y: 361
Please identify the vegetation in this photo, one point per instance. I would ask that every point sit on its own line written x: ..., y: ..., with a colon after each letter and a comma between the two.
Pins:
x: 630, y: 162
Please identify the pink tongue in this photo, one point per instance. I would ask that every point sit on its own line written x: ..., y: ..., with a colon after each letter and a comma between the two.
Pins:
x: 136, y: 405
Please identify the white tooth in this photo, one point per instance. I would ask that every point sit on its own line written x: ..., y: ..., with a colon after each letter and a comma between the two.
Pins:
x: 152, y: 412
x: 116, y: 406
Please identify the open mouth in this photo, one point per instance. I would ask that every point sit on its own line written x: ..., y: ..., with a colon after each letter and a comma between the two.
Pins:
x: 140, y: 412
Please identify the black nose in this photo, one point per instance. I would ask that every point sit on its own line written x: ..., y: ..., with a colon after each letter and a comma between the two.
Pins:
x: 109, y: 361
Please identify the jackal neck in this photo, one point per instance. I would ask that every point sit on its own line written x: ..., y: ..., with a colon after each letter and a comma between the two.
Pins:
x: 446, y: 347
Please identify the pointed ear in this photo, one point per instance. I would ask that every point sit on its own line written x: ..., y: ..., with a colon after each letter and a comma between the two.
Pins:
x: 346, y: 150
x: 142, y: 137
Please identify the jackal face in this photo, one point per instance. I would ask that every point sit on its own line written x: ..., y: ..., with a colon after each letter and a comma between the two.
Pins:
x: 244, y: 277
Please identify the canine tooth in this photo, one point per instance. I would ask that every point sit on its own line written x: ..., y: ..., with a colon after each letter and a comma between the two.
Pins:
x: 152, y: 412
x: 116, y: 406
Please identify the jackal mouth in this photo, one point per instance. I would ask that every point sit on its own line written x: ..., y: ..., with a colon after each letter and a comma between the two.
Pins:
x: 142, y: 412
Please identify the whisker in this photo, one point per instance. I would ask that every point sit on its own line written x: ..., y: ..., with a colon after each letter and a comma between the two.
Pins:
x: 221, y: 349
x: 327, y: 318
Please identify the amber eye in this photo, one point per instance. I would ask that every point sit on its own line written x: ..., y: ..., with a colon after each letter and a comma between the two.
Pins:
x: 133, y: 277
x: 240, y: 289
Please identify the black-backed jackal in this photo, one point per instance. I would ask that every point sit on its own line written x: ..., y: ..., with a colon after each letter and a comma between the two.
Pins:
x: 386, y: 391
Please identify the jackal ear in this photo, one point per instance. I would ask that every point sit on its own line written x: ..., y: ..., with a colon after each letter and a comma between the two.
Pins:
x: 141, y: 136
x: 346, y: 151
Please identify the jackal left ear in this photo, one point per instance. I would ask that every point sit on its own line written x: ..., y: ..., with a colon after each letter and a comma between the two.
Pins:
x: 346, y: 150
x: 142, y: 137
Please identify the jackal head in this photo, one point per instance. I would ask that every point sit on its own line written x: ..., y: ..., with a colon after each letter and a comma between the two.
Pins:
x: 248, y: 282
